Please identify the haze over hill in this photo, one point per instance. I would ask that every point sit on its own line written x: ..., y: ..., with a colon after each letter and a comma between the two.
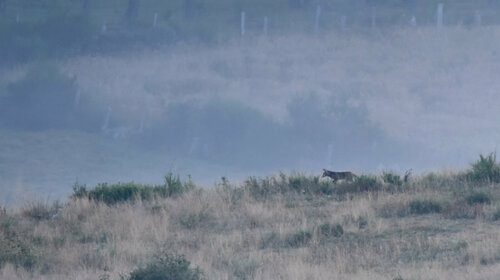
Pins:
x: 364, y: 99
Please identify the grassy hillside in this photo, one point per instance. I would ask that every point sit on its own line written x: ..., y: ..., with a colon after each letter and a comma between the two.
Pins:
x: 435, y: 226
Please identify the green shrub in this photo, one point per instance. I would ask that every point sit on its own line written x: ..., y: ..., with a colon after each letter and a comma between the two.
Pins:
x: 364, y: 183
x: 329, y: 230
x: 14, y: 248
x: 271, y: 240
x: 174, y: 186
x: 485, y: 169
x: 425, y: 206
x: 195, y: 220
x: 461, y: 245
x: 244, y: 267
x: 115, y: 193
x: 478, y: 198
x: 42, y: 211
x: 295, y: 183
x: 298, y: 239
x: 391, y: 178
x: 167, y: 267
x: 122, y: 192
x: 362, y: 222
x: 79, y: 191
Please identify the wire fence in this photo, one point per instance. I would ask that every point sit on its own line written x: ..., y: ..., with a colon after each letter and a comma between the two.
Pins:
x: 282, y: 17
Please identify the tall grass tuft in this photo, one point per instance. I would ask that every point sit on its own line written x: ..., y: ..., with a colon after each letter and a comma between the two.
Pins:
x: 14, y: 247
x: 295, y: 183
x: 478, y: 198
x: 167, y: 267
x: 364, y: 183
x: 425, y: 206
x: 122, y: 192
x: 392, y: 178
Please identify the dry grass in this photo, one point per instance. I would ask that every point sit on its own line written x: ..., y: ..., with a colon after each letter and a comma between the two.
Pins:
x: 231, y: 234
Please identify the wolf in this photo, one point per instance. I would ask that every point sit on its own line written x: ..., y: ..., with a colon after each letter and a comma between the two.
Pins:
x: 342, y: 175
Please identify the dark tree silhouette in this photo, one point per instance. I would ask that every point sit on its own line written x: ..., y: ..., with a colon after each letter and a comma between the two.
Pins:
x: 132, y: 11
x: 192, y: 8
x: 298, y: 4
x: 85, y: 6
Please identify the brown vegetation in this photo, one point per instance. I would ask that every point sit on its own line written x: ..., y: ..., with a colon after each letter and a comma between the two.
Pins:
x: 436, y: 226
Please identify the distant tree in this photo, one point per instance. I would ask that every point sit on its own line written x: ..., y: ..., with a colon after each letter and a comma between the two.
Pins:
x: 192, y: 8
x: 494, y: 3
x: 411, y: 5
x: 132, y: 10
x: 85, y: 6
x: 375, y: 3
x: 297, y: 4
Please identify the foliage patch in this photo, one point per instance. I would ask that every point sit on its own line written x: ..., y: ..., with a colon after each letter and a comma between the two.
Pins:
x: 167, y: 267
x: 122, y: 192
x: 478, y: 198
x: 425, y: 206
x: 485, y: 168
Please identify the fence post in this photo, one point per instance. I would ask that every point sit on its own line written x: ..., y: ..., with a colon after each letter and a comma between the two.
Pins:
x: 440, y: 15
x: 155, y: 20
x: 105, y: 124
x: 242, y: 23
x: 374, y: 17
x: 86, y: 7
x: 316, y: 19
x: 413, y: 21
x: 477, y: 18
x: 104, y: 27
x: 343, y: 23
x: 77, y: 99
x: 265, y: 26
x: 141, y: 126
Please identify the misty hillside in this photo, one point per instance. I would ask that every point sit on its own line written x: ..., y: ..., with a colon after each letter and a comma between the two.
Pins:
x: 94, y: 91
x: 141, y: 139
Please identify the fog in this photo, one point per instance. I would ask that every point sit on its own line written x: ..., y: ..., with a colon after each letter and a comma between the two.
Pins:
x: 356, y: 95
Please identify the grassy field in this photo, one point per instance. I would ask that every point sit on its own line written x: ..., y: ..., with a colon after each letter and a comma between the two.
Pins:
x: 434, y: 226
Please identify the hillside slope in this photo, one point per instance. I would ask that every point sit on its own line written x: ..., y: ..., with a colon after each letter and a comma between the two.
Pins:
x: 437, y: 226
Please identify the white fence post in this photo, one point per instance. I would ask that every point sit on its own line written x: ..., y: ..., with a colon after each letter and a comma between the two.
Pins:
x: 141, y: 126
x: 440, y: 15
x: 413, y: 21
x: 77, y: 99
x: 155, y: 20
x: 105, y: 124
x: 477, y: 18
x: 104, y: 27
x: 265, y: 26
x: 243, y: 23
x: 316, y: 19
x: 343, y: 23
